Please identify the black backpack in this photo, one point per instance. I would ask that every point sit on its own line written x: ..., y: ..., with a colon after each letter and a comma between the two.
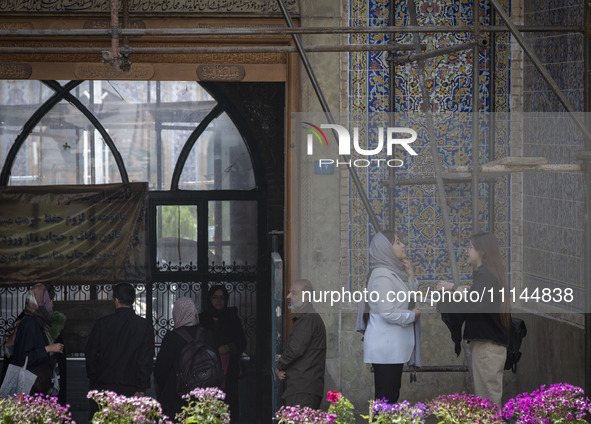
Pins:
x: 199, y: 364
x: 517, y: 332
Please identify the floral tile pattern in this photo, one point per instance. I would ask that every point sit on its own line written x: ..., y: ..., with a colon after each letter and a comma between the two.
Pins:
x: 416, y: 209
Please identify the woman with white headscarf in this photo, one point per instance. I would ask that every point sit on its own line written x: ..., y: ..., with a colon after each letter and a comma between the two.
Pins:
x: 185, y: 316
x: 34, y: 341
x: 389, y: 338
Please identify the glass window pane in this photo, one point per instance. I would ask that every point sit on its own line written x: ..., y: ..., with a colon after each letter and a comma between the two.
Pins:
x: 64, y: 148
x: 232, y: 232
x: 18, y: 101
x: 176, y: 245
x: 219, y: 160
x: 150, y: 122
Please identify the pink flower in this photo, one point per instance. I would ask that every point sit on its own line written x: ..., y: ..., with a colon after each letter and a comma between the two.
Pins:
x: 333, y: 396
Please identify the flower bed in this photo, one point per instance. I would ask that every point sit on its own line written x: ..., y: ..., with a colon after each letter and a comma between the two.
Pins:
x: 119, y: 409
x: 37, y: 409
x: 557, y: 404
x: 205, y: 406
x: 382, y: 412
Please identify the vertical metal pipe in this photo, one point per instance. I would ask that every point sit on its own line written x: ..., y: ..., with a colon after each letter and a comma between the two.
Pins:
x: 125, y: 23
x: 392, y: 110
x: 492, y: 118
x: 475, y: 117
x: 427, y: 109
x: 587, y: 185
x: 150, y: 302
x: 159, y: 150
x: 92, y: 138
x: 326, y: 109
x: 115, y: 28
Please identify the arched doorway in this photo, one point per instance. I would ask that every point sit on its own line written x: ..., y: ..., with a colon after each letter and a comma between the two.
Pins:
x: 215, y: 174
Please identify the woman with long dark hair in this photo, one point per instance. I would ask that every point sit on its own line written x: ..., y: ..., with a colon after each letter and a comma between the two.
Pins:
x: 487, y: 319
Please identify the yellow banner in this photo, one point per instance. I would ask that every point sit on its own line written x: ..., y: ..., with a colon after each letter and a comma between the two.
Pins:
x: 73, y: 234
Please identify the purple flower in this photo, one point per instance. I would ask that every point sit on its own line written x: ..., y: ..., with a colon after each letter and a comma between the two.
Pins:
x: 205, y: 405
x: 303, y: 415
x: 555, y: 403
x: 204, y: 393
x: 114, y: 407
x: 33, y: 409
x: 403, y: 412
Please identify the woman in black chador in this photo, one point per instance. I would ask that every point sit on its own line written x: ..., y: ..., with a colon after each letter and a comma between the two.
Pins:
x: 231, y: 341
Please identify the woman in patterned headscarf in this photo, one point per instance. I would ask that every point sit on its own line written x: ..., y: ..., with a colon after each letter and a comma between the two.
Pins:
x: 186, y: 319
x: 34, y: 341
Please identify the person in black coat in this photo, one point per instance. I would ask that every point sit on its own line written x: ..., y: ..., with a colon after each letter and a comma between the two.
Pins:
x: 486, y: 319
x: 184, y: 315
x: 120, y: 349
x: 231, y: 341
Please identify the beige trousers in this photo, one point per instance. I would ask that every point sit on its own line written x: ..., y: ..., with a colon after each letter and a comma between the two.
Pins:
x: 487, y: 364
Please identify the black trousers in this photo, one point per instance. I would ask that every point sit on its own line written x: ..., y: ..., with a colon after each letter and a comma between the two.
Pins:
x: 388, y: 379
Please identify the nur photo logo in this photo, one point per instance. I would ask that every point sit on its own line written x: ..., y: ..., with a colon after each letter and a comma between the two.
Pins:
x: 388, y: 138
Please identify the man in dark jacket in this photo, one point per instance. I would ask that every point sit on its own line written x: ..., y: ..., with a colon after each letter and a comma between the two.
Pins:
x: 302, y: 363
x: 120, y: 349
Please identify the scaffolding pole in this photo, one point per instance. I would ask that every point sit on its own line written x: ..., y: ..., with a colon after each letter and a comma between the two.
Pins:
x: 540, y: 67
x: 326, y: 109
x: 414, y: 57
x: 587, y: 214
x: 190, y: 32
x: 202, y: 49
x: 475, y: 124
x: 427, y: 109
x: 391, y: 60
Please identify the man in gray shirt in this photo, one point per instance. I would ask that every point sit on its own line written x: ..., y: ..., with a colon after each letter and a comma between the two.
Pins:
x: 302, y: 363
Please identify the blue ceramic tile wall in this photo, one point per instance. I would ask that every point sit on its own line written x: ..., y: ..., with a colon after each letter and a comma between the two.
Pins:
x: 416, y: 210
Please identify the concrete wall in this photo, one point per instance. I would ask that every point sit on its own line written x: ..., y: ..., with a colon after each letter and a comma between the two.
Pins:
x: 317, y: 196
x: 553, y: 352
